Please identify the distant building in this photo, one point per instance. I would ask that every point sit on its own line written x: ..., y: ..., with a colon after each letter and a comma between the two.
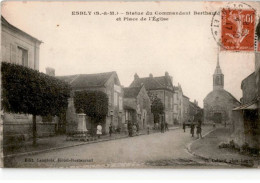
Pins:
x: 219, y: 103
x: 178, y: 104
x: 108, y: 83
x: 195, y: 112
x: 137, y: 106
x: 161, y: 87
x: 186, y: 109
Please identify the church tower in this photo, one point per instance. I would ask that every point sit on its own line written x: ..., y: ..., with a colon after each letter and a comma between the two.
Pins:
x: 218, y: 77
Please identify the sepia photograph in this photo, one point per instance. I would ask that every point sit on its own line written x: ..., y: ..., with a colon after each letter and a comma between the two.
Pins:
x: 130, y: 85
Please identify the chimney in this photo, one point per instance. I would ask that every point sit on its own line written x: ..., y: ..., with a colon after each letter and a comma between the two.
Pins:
x: 50, y: 71
x: 150, y: 75
x: 136, y: 76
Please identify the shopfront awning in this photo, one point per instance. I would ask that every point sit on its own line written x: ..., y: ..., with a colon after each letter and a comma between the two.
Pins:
x: 248, y: 106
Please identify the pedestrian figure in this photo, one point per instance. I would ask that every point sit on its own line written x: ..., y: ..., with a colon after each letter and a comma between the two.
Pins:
x: 148, y: 130
x: 184, y: 126
x: 214, y: 125
x: 99, y: 130
x: 130, y: 129
x: 110, y: 130
x: 134, y: 129
x: 162, y: 127
x: 137, y: 128
x: 199, y: 131
x: 192, y: 126
x: 125, y: 128
x: 166, y: 126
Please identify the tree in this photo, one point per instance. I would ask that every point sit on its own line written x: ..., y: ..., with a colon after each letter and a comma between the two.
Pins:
x: 93, y: 103
x: 28, y: 91
x: 157, y: 108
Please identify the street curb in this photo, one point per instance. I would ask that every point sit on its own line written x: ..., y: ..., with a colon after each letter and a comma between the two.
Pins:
x: 68, y: 146
x: 188, y: 147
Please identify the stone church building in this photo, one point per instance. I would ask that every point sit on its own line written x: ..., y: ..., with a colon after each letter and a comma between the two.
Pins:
x: 218, y: 104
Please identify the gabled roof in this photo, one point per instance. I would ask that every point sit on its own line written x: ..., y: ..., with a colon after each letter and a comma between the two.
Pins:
x: 153, y: 83
x: 87, y: 80
x: 131, y: 92
x: 6, y: 23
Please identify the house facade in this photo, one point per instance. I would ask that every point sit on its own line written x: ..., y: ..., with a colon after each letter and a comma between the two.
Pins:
x: 246, y: 122
x: 21, y: 48
x: 106, y: 82
x: 178, y: 104
x: 161, y: 87
x: 186, y: 109
x: 137, y: 106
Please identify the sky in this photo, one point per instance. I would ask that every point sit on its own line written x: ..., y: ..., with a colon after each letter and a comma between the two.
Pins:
x: 183, y: 46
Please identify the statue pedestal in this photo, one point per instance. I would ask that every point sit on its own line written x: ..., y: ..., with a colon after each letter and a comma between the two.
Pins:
x: 82, y: 123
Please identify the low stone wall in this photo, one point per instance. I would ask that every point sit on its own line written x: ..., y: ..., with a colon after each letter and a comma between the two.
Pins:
x: 19, y: 132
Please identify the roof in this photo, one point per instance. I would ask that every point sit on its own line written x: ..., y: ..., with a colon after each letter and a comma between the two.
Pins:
x: 5, y: 22
x: 248, y: 77
x: 185, y: 96
x: 224, y: 92
x: 87, y: 80
x: 131, y: 92
x: 153, y: 83
x: 129, y: 105
x: 249, y: 106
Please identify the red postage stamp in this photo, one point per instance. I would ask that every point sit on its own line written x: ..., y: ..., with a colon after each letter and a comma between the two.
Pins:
x: 238, y: 29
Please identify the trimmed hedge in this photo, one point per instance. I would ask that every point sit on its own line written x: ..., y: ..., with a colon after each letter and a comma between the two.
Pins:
x: 28, y: 91
x: 93, y: 103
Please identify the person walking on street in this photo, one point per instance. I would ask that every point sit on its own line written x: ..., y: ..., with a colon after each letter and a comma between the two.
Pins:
x: 99, y: 130
x: 125, y: 128
x: 162, y: 127
x: 166, y: 126
x: 130, y: 129
x: 192, y: 126
x: 183, y: 126
x: 137, y: 128
x: 199, y: 131
x: 110, y: 130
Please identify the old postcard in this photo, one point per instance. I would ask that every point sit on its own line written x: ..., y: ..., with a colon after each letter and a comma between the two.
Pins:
x: 130, y: 84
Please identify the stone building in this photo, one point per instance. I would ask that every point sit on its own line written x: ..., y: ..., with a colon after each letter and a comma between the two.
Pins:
x: 161, y: 87
x: 186, y: 108
x: 137, y: 106
x: 246, y: 120
x: 178, y: 104
x: 195, y: 112
x: 219, y: 103
x: 108, y: 83
x: 21, y: 48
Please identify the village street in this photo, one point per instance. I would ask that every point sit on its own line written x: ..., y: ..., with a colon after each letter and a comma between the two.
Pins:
x: 140, y: 151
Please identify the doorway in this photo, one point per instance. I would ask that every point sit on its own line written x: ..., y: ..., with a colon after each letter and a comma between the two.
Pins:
x: 217, y: 118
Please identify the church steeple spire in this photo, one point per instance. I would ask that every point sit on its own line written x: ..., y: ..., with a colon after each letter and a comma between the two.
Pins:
x: 218, y: 77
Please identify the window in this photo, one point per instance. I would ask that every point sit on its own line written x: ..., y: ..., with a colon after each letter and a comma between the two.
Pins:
x: 166, y: 101
x: 109, y: 97
x: 120, y: 103
x: 115, y: 98
x: 23, y: 56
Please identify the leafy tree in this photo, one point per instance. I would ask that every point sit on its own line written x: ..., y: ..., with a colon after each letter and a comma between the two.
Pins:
x: 28, y: 91
x: 93, y: 103
x: 157, y: 107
